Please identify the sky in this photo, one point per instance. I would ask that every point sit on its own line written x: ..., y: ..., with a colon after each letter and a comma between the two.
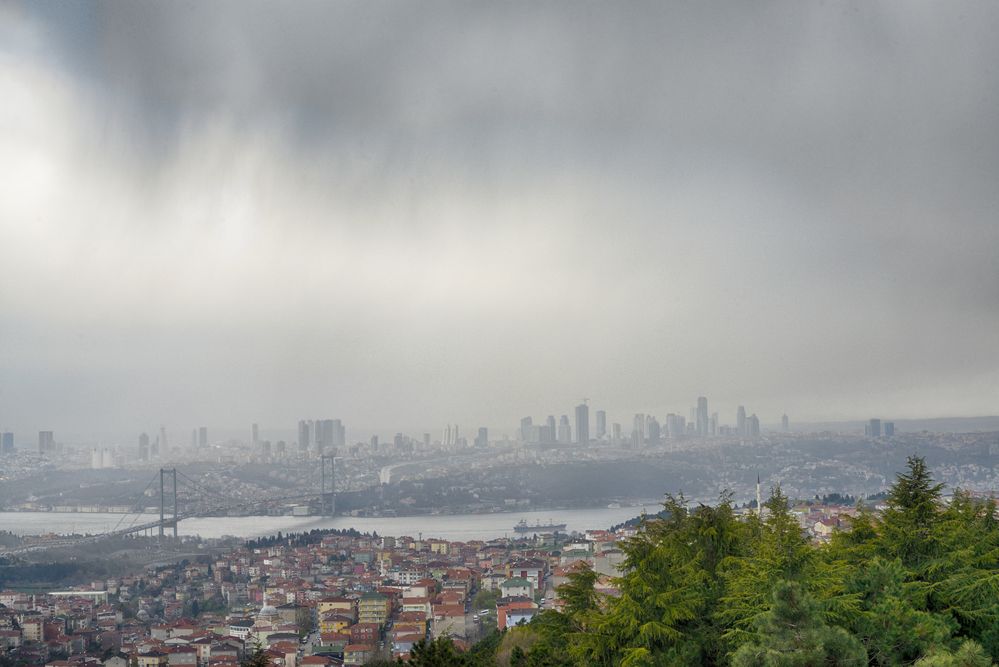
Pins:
x: 408, y: 214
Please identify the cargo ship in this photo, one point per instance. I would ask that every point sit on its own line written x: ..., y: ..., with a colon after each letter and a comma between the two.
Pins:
x: 538, y: 527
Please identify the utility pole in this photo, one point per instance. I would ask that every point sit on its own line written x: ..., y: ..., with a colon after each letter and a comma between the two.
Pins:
x: 327, y: 489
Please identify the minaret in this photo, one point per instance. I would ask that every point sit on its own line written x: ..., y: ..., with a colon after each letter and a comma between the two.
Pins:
x: 759, y: 498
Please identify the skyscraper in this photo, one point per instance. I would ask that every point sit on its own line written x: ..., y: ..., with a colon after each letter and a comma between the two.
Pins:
x: 702, y: 416
x: 740, y: 420
x: 638, y: 426
x: 144, y: 447
x: 583, y: 423
x: 889, y: 428
x: 482, y: 439
x: 304, y: 435
x: 564, y: 430
x: 163, y: 448
x: 324, y: 435
x: 616, y: 433
x: 7, y: 443
x: 653, y: 431
x: 676, y: 426
x: 525, y: 429
x: 202, y: 436
x: 254, y: 434
x: 46, y: 442
x: 601, y: 424
x: 552, y: 430
x: 339, y: 434
x: 753, y: 426
x: 875, y: 428
x: 785, y: 423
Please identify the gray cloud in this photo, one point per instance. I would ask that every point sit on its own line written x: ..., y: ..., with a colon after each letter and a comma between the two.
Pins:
x: 408, y: 213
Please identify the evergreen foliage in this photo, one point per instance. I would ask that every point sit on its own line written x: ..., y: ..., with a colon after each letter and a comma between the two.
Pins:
x: 918, y: 585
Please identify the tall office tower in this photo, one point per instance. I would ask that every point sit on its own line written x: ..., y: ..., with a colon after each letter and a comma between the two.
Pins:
x: 702, y: 416
x: 96, y: 458
x: 785, y: 424
x: 46, y: 443
x: 552, y: 429
x: 564, y: 430
x: 601, y: 424
x: 339, y: 434
x: 889, y: 428
x: 636, y: 439
x: 426, y: 441
x: 194, y: 438
x: 544, y: 434
x: 446, y: 435
x: 482, y: 439
x: 164, y: 448
x: 638, y: 426
x: 672, y: 431
x: 525, y: 429
x: 202, y: 436
x: 616, y: 433
x: 397, y: 441
x: 324, y: 435
x: 144, y: 447
x: 154, y: 448
x: 373, y: 442
x: 254, y: 434
x: 875, y: 428
x: 454, y: 435
x: 753, y: 426
x: 713, y: 424
x: 740, y: 420
x: 654, y: 433
x: 7, y: 443
x: 583, y: 424
x: 304, y: 435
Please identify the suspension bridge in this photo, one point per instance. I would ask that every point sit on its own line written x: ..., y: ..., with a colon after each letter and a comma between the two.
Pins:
x: 198, y: 501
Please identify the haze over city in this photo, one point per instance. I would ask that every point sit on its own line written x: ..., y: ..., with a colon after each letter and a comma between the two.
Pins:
x: 414, y: 214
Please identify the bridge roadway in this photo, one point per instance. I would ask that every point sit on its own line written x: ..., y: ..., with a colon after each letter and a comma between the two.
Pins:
x: 168, y: 522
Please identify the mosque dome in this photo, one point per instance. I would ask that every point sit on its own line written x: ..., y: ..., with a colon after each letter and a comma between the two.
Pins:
x: 267, y: 612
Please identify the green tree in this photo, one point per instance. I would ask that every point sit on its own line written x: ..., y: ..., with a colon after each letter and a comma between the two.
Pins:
x: 793, y: 634
x: 893, y: 623
x: 912, y: 513
x: 969, y: 654
x: 258, y: 658
x: 440, y: 652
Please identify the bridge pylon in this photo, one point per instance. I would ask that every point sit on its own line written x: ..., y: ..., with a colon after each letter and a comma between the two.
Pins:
x: 172, y: 474
x: 327, y: 489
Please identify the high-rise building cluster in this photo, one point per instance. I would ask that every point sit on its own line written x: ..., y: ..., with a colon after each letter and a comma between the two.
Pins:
x: 319, y: 436
x: 875, y: 428
x: 645, y: 430
x: 450, y: 436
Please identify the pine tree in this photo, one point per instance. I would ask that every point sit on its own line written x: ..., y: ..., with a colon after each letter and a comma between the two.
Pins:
x: 793, y: 634
x: 913, y: 511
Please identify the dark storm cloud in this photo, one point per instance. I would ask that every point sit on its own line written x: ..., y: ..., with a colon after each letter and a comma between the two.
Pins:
x: 412, y: 212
